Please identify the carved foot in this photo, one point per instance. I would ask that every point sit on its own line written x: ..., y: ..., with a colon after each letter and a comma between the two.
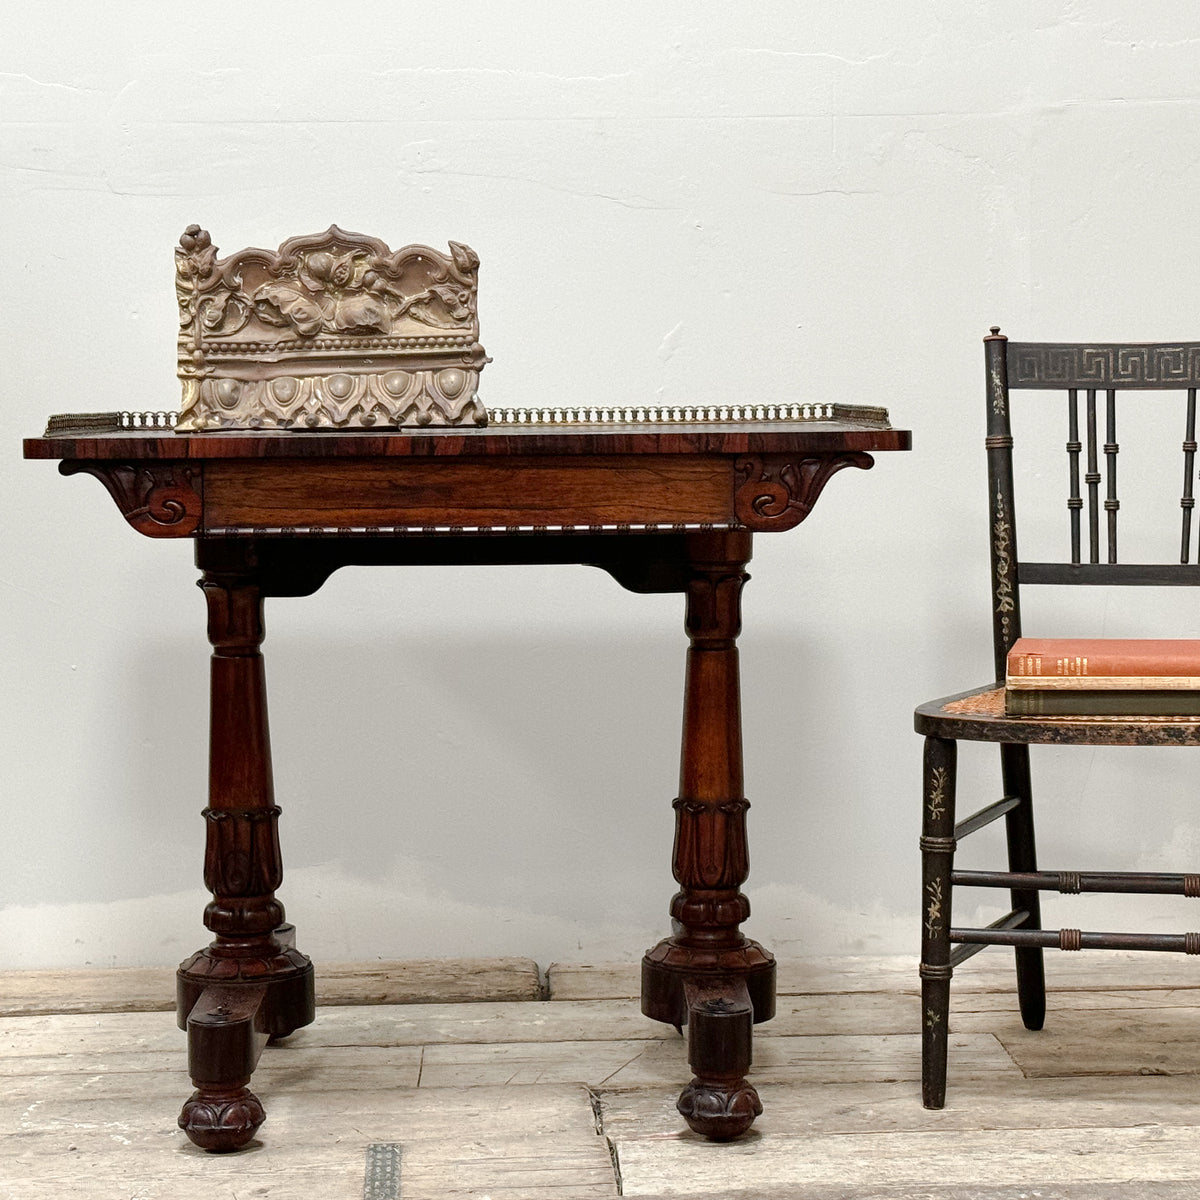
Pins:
x: 225, y: 1038
x: 719, y: 1112
x: 222, y: 1119
x: 719, y: 1103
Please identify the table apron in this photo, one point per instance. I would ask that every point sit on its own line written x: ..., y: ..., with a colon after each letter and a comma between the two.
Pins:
x: 665, y: 490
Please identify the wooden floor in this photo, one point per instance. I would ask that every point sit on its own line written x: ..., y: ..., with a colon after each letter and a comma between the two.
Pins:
x: 528, y: 1098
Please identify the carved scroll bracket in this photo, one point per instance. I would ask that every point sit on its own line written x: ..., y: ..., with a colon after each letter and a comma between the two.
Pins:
x: 778, y: 491
x: 160, y: 499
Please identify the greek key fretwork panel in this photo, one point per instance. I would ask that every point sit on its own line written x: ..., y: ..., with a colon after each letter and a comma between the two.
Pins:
x: 1049, y: 365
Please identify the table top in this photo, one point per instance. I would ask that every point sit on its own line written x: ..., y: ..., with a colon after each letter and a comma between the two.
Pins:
x: 530, y: 470
x: 809, y: 429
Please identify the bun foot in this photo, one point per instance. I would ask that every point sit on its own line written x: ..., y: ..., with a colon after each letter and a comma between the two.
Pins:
x: 719, y: 1103
x: 718, y: 1112
x: 222, y: 1120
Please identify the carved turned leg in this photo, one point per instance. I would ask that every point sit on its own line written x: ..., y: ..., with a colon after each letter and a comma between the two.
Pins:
x: 251, y: 983
x: 937, y: 862
x: 709, y: 975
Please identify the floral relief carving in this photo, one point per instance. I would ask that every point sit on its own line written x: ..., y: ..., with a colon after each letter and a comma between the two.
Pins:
x: 332, y: 330
x: 347, y: 294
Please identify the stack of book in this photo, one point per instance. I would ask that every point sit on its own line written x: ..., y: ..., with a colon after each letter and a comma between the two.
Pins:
x: 1080, y: 677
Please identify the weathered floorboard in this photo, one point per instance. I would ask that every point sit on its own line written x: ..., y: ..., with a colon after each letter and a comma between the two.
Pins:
x: 1158, y: 1041
x: 152, y: 989
x: 314, y: 1070
x: 1015, y: 1103
x: 452, y: 981
x: 990, y: 972
x: 419, y: 1024
x: 1037, y: 1157
x: 506, y: 1143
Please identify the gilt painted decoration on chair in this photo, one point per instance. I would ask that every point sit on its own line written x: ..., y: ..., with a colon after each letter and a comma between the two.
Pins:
x: 330, y: 331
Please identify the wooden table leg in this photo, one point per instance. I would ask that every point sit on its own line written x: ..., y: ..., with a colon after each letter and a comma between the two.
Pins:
x: 709, y: 975
x: 251, y: 983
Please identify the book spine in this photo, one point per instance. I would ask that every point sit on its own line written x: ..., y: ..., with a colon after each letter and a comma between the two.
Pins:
x: 1091, y: 662
x: 1037, y: 666
x: 1155, y: 702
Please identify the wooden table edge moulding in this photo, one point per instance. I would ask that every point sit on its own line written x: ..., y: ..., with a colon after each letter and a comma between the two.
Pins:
x: 662, y: 501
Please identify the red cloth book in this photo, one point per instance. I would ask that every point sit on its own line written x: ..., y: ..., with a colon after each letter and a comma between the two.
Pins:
x: 1096, y: 664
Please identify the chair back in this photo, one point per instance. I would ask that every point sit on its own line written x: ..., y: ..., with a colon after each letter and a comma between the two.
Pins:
x: 1091, y: 376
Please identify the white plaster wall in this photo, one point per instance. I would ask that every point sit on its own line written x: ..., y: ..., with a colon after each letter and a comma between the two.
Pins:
x: 673, y: 202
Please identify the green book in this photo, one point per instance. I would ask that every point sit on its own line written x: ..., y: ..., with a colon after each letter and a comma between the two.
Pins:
x: 1072, y: 702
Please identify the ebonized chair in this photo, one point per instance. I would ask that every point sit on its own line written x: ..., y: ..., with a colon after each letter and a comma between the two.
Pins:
x: 1091, y: 376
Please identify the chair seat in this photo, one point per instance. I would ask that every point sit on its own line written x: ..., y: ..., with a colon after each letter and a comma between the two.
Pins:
x: 978, y: 716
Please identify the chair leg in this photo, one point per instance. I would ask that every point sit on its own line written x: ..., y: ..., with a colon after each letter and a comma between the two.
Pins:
x: 937, y: 861
x: 1022, y: 856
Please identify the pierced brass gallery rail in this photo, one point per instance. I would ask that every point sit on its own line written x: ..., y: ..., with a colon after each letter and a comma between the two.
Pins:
x: 67, y: 424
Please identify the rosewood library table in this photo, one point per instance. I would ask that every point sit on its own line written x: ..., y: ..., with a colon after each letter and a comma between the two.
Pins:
x: 663, y: 500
